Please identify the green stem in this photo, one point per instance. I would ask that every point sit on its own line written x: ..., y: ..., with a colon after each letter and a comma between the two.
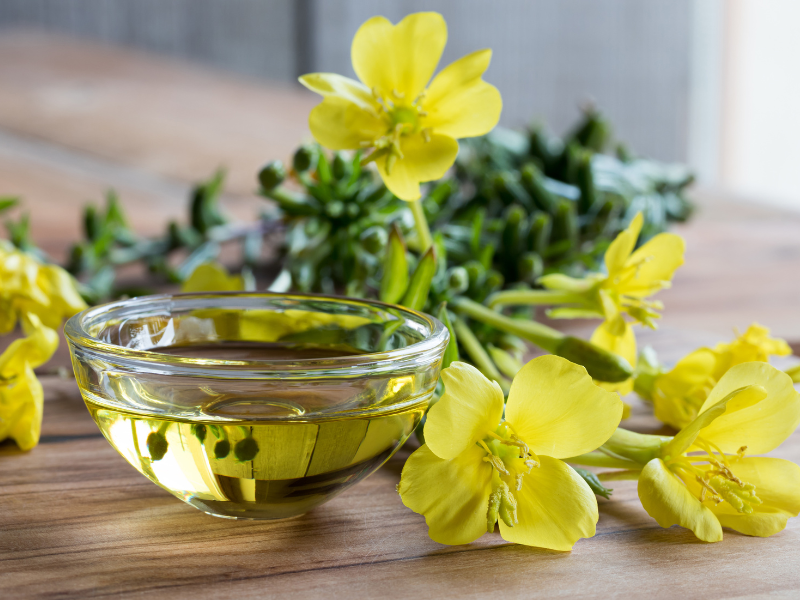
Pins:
x: 543, y: 336
x: 421, y: 225
x: 600, y: 459
x: 638, y: 447
x: 533, y: 297
x: 478, y: 355
x: 632, y: 474
x: 794, y: 373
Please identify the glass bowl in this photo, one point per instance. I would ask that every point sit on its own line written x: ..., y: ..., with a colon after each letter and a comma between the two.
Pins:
x: 255, y: 405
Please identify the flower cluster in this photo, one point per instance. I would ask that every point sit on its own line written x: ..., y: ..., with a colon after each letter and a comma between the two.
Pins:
x: 39, y: 297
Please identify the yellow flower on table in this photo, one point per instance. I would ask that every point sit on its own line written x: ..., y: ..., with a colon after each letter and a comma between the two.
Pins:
x: 212, y: 277
x: 477, y: 469
x: 632, y: 277
x: 410, y: 122
x: 678, y: 394
x: 21, y: 396
x: 703, y: 480
x: 29, y: 287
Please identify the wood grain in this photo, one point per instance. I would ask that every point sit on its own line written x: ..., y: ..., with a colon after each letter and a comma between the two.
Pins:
x: 76, y: 521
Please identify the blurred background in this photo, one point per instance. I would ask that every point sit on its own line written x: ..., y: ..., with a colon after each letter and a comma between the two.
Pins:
x: 148, y: 96
x: 701, y: 81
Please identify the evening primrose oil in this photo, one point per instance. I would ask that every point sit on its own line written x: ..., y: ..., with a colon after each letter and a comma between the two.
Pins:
x: 255, y: 469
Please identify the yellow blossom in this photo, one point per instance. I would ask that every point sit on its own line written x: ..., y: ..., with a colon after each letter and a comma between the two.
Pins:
x: 29, y: 287
x: 410, y: 125
x: 703, y: 479
x: 678, y: 394
x: 632, y: 277
x: 212, y: 277
x: 477, y: 469
x: 21, y: 397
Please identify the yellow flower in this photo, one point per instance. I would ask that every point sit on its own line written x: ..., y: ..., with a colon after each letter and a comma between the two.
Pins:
x: 411, y: 126
x: 476, y: 469
x: 677, y: 395
x: 702, y: 479
x: 28, y: 287
x: 633, y: 276
x: 212, y: 277
x: 21, y: 397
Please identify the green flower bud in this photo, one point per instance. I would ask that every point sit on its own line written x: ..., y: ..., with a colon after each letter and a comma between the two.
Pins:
x: 374, y: 239
x: 335, y: 209
x: 457, y: 280
x: 199, y: 432
x: 304, y: 159
x: 245, y: 450
x: 272, y: 175
x: 157, y: 445
x: 221, y: 449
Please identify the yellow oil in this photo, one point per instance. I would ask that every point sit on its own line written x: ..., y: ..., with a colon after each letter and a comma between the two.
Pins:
x: 259, y: 468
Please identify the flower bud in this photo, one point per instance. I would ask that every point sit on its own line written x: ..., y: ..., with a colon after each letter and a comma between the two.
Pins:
x: 272, y: 175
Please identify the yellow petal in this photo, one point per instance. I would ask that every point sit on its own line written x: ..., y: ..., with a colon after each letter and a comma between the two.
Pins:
x: 33, y: 350
x: 555, y: 508
x: 556, y: 409
x: 21, y: 405
x: 679, y: 393
x: 400, y: 57
x: 745, y: 396
x: 331, y: 84
x: 453, y: 495
x: 777, y: 484
x: 212, y: 277
x: 422, y: 161
x: 657, y: 261
x: 620, y: 249
x: 669, y: 502
x: 339, y: 124
x: 761, y: 427
x: 624, y: 345
x: 459, y: 103
x: 469, y: 409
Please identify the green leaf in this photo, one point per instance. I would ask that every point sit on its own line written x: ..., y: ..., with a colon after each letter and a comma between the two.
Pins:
x: 7, y: 202
x: 593, y: 482
x: 417, y: 293
x: 395, y: 269
x: 451, y: 352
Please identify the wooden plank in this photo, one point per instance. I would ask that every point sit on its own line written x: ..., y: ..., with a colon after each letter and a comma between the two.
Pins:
x: 76, y: 521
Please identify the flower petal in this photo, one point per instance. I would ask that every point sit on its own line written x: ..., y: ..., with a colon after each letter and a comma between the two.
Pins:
x: 459, y: 103
x: 331, y: 84
x: 555, y: 508
x: 658, y: 259
x: 399, y: 57
x: 453, y: 495
x: 679, y: 393
x: 761, y: 427
x: 624, y: 345
x: 748, y: 395
x: 212, y: 277
x: 556, y: 409
x: 469, y: 409
x: 339, y: 124
x: 777, y: 484
x: 620, y: 249
x: 422, y: 161
x: 669, y: 502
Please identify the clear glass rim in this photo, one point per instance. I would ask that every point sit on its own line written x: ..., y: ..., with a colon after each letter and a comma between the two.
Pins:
x: 75, y: 330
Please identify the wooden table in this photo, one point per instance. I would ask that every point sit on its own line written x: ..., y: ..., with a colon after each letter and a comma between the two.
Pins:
x: 76, y: 521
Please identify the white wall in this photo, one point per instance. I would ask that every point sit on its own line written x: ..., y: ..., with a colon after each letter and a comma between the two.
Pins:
x: 761, y: 104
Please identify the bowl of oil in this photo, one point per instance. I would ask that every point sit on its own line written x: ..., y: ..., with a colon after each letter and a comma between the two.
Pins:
x: 255, y: 405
